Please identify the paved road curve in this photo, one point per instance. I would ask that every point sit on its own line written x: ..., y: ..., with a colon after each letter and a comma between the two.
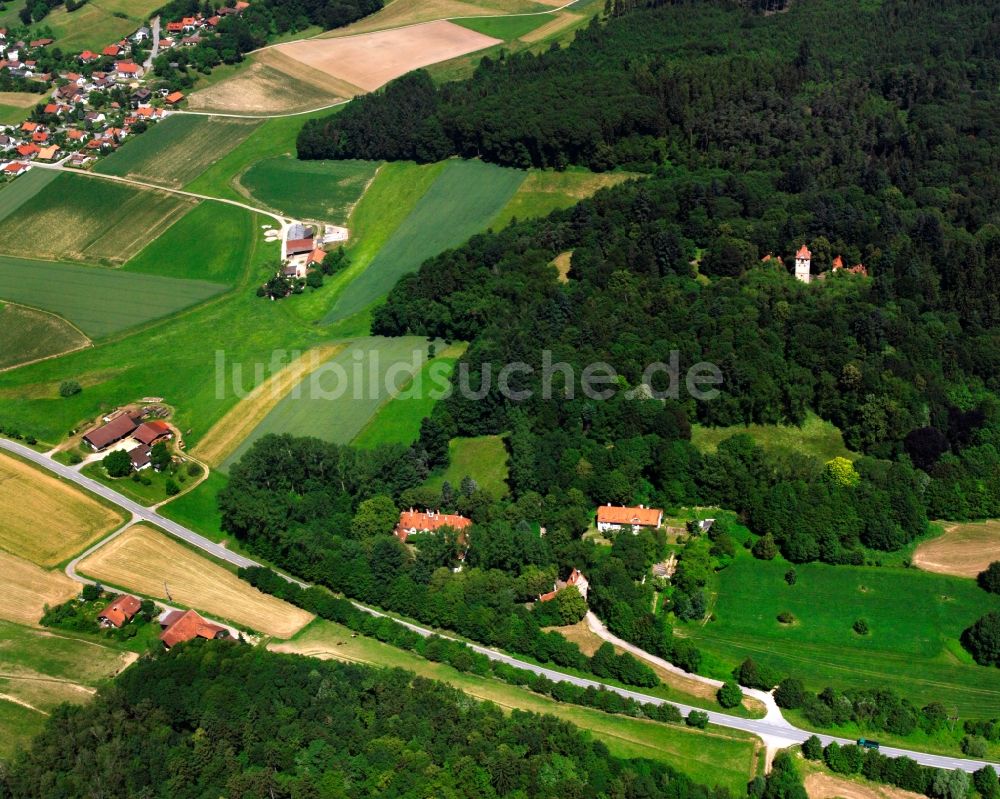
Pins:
x: 775, y: 733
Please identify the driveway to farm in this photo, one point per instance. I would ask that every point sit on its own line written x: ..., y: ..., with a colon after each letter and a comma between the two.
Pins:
x: 773, y: 732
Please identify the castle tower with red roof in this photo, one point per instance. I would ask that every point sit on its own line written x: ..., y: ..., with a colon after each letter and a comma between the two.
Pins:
x: 803, y: 262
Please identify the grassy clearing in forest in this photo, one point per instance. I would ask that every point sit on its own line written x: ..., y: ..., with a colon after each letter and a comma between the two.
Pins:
x: 483, y: 458
x: 815, y: 437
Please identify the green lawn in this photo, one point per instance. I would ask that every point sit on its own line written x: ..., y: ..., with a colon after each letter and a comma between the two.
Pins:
x: 178, y: 149
x: 98, y: 301
x: 16, y: 193
x: 459, y: 204
x: 815, y: 437
x: 915, y: 620
x: 199, y: 508
x: 28, y: 334
x: 398, y: 421
x: 212, y: 242
x: 90, y: 220
x: 483, y: 458
x: 325, y: 191
x: 506, y: 28
x: 136, y: 489
x: 716, y: 757
x: 338, y: 399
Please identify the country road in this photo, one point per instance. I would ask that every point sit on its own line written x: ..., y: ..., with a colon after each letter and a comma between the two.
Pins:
x: 774, y: 732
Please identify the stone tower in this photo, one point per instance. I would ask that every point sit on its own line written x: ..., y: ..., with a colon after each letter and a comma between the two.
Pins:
x: 803, y: 260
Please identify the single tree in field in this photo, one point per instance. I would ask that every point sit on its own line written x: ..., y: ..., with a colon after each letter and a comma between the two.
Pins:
x: 68, y: 388
x: 765, y: 548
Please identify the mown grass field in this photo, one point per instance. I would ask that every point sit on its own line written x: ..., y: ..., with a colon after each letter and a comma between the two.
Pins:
x: 84, y: 219
x: 460, y: 203
x: 322, y: 190
x: 483, y: 458
x: 715, y: 757
x: 398, y: 421
x: 28, y: 588
x: 95, y: 24
x: 544, y: 191
x: 339, y: 397
x: 143, y: 560
x: 963, y: 550
x: 212, y: 242
x: 174, y: 151
x: 16, y: 193
x: 915, y: 620
x: 47, y: 520
x: 816, y: 437
x: 506, y: 28
x: 40, y: 670
x: 98, y: 301
x: 28, y: 335
x: 199, y: 509
x: 266, y: 83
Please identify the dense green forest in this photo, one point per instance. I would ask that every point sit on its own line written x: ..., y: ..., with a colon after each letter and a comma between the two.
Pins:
x: 216, y: 719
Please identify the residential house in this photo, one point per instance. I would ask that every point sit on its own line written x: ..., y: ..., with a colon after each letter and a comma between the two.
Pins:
x: 612, y: 518
x: 575, y: 579
x: 299, y: 246
x: 141, y: 457
x: 30, y: 127
x: 77, y: 136
x: 141, y: 97
x: 173, y: 98
x: 39, y: 137
x: 88, y: 57
x: 191, y: 41
x: 189, y: 23
x: 128, y: 70
x: 186, y: 625
x: 15, y: 168
x: 175, y: 27
x: 94, y: 117
x: 411, y: 522
x: 6, y: 141
x: 141, y: 35
x: 50, y: 153
x: 111, y: 433
x: 28, y: 150
x: 120, y: 612
x: 111, y: 50
x: 40, y: 42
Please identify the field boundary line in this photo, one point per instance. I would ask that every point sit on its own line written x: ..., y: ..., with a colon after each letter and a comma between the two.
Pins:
x: 89, y: 341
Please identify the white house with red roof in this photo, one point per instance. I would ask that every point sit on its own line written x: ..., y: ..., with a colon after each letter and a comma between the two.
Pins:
x: 612, y: 518
x: 575, y: 580
x: 803, y: 264
x: 428, y: 521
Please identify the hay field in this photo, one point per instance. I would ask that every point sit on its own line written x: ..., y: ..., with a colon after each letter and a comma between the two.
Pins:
x: 546, y: 190
x: 142, y: 560
x: 45, y: 519
x: 559, y: 22
x: 29, y: 335
x: 94, y: 221
x: 14, y: 106
x: 372, y: 60
x: 175, y: 151
x: 230, y: 431
x: 262, y: 86
x: 28, y: 588
x: 964, y: 550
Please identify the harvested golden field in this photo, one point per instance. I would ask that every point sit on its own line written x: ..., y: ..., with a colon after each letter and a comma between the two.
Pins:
x: 964, y: 550
x: 28, y: 588
x: 559, y: 22
x: 143, y: 560
x: 46, y: 520
x: 227, y: 434
x: 820, y: 785
x: 263, y: 87
x: 371, y: 60
x: 20, y: 99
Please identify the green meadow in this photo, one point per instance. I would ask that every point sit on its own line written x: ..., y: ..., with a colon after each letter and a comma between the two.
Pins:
x: 915, y: 620
x: 98, y: 301
x: 321, y: 190
x: 815, y: 437
x: 28, y: 334
x: 506, y: 28
x: 212, y: 242
x: 483, y: 458
x: 338, y: 399
x: 16, y: 193
x: 460, y: 203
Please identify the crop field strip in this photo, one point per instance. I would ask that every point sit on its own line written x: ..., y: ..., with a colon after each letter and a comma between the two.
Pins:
x: 29, y: 335
x: 334, y: 409
x: 460, y: 203
x: 47, y: 520
x: 28, y: 588
x: 176, y: 150
x: 915, y: 620
x: 398, y: 13
x: 98, y: 301
x: 144, y: 560
x: 17, y: 193
x: 88, y: 220
x: 97, y: 23
x: 325, y: 191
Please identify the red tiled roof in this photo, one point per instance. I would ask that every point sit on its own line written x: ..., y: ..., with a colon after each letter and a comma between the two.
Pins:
x: 643, y: 517
x: 28, y: 127
x: 175, y: 26
x: 151, y: 432
x: 14, y: 167
x: 111, y: 49
x: 174, y: 97
x: 123, y: 609
x: 126, y: 68
x: 838, y: 263
x: 428, y: 522
x: 299, y: 246
x: 39, y: 136
x: 183, y: 626
x: 113, y: 431
x: 28, y: 149
x: 316, y: 256
x: 803, y: 252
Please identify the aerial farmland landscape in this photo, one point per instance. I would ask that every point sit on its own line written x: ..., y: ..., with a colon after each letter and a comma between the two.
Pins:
x: 499, y: 398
